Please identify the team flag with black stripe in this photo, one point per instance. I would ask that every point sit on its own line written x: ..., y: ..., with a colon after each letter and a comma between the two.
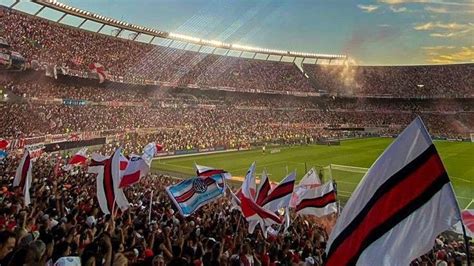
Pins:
x: 23, y: 176
x: 403, y: 202
x: 319, y: 201
x: 191, y: 194
x: 263, y: 188
x: 206, y: 171
x: 109, y: 172
x: 280, y: 196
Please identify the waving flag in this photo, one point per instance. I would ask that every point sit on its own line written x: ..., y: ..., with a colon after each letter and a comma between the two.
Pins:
x: 263, y: 188
x: 249, y: 185
x: 109, y: 172
x: 254, y: 213
x: 138, y: 166
x: 191, y: 194
x: 136, y: 169
x: 403, y: 202
x: 309, y: 181
x: 235, y: 199
x: 206, y: 171
x: 23, y: 176
x: 319, y: 201
x: 280, y: 196
x: 149, y: 152
x: 468, y: 220
x: 80, y: 158
x: 100, y: 70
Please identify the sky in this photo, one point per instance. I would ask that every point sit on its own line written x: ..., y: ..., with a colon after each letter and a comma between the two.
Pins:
x: 377, y: 32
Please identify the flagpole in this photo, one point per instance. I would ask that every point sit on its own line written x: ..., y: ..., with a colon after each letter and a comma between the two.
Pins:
x: 466, y: 243
x: 149, y: 211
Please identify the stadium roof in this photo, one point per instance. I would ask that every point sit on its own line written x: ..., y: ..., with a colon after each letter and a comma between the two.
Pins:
x: 154, y: 33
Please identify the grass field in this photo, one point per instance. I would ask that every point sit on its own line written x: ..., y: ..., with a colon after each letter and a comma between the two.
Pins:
x: 458, y: 158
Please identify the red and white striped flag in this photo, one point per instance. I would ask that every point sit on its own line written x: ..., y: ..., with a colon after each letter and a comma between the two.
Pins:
x: 403, y: 202
x: 109, y: 172
x: 23, y: 176
x: 319, y: 201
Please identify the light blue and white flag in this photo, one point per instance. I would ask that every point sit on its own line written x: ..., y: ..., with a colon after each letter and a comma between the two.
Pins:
x: 191, y: 194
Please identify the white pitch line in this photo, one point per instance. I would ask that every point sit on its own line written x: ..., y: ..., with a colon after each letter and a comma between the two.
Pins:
x: 467, y: 207
x: 179, y: 166
x: 462, y: 179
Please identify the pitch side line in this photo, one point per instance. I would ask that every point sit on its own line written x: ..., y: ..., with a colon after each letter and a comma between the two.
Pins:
x: 467, y: 207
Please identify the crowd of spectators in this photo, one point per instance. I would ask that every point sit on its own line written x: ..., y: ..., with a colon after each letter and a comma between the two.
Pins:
x: 435, y: 81
x: 64, y: 225
x: 63, y: 222
x: 43, y: 40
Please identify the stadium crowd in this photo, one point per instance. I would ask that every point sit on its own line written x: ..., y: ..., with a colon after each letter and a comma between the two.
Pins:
x: 437, y: 81
x: 42, y: 40
x: 64, y: 226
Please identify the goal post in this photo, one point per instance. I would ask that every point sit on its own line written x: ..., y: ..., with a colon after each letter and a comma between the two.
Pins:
x: 347, y: 178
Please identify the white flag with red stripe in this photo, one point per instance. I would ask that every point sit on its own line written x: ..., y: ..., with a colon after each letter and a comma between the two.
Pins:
x: 138, y: 166
x: 403, y: 202
x: 80, y: 158
x: 109, y: 172
x: 319, y: 201
x: 23, y: 176
x: 309, y: 181
x: 136, y: 169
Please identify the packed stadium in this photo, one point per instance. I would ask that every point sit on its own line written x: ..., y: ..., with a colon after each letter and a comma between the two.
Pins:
x: 126, y: 144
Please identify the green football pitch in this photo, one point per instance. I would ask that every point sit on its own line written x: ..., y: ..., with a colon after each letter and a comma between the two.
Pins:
x: 349, y: 162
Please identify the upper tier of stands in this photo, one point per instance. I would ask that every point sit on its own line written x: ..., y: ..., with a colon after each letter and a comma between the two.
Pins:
x: 46, y: 41
x: 435, y: 81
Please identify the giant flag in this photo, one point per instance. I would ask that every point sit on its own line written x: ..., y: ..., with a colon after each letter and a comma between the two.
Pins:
x: 23, y: 176
x: 403, y: 202
x: 191, y: 194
